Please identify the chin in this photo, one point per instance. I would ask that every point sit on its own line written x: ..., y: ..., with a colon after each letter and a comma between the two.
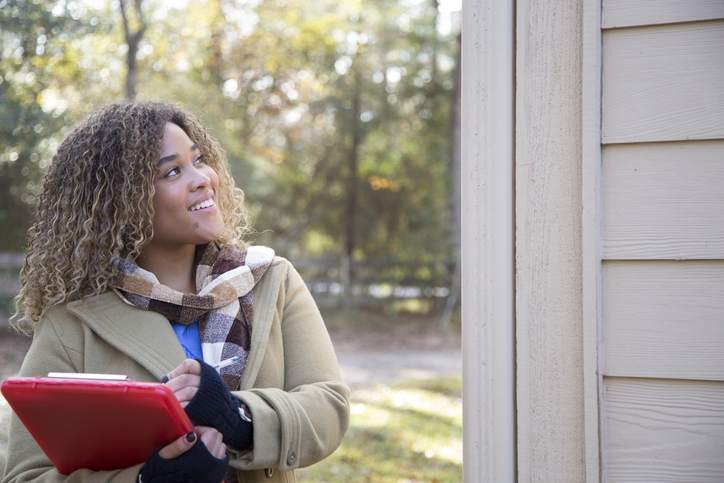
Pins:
x: 212, y: 236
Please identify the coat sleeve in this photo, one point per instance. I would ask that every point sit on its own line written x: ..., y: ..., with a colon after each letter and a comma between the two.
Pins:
x: 304, y: 422
x: 25, y: 460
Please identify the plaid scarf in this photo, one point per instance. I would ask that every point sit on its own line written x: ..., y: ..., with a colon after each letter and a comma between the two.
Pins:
x: 223, y: 305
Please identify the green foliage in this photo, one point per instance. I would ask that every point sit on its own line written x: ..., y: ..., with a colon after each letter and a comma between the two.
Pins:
x: 28, y: 46
x: 408, y: 432
x: 297, y: 92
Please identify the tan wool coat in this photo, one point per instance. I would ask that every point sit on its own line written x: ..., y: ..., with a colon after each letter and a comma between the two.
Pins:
x: 292, y: 384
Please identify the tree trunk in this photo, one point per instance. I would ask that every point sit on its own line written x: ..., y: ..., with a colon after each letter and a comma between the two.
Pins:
x: 453, y: 299
x: 131, y: 70
x: 352, y: 182
x: 133, y: 39
x: 216, y: 61
x: 434, y: 46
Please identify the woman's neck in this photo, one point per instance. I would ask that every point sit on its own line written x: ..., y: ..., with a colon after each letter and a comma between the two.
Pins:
x: 172, y: 266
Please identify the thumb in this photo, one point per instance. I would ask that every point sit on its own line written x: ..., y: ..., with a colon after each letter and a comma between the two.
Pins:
x: 178, y: 447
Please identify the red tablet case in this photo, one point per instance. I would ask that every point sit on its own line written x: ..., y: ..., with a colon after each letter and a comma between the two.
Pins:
x: 96, y: 424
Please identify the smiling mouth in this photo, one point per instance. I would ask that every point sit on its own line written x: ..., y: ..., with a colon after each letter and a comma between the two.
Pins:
x: 204, y: 204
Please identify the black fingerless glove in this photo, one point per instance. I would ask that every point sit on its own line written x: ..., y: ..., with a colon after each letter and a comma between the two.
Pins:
x: 197, y: 465
x: 213, y: 405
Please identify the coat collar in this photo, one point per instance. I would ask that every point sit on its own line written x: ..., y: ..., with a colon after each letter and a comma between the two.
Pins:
x: 147, y: 337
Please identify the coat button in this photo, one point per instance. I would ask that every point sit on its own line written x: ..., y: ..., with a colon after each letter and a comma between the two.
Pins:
x: 292, y: 458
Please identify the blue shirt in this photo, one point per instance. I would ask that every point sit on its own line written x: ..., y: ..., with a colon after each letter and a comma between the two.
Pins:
x: 189, y: 338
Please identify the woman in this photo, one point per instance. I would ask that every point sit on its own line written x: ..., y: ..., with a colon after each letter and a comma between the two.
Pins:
x: 136, y: 265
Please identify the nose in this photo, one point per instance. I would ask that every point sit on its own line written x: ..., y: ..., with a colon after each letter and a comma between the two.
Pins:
x: 199, y: 179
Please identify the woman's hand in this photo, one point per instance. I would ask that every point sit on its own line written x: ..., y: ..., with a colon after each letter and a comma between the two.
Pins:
x: 208, y: 402
x: 213, y: 440
x: 187, y: 459
x: 184, y: 381
x: 178, y: 447
x: 210, y: 437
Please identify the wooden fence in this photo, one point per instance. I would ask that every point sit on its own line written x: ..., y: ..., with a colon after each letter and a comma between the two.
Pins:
x: 376, y: 284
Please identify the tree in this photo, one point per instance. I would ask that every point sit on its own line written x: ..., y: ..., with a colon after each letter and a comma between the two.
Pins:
x: 133, y: 35
x: 453, y: 299
x: 335, y: 116
x: 32, y: 41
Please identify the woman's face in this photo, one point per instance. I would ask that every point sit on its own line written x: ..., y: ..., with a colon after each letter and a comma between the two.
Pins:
x: 185, y: 198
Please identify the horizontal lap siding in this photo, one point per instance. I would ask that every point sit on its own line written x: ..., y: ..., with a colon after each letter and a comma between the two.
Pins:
x: 662, y: 241
x: 663, y: 200
x: 664, y: 319
x: 664, y: 430
x: 663, y: 83
x: 631, y: 13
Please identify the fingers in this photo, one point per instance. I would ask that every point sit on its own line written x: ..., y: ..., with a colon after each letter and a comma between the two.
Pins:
x: 213, y: 441
x: 184, y: 380
x: 184, y: 387
x: 178, y: 447
x: 184, y: 397
x: 210, y: 437
x: 188, y: 366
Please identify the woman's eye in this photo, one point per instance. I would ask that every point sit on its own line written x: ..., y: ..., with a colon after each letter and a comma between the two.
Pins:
x: 171, y: 172
x: 200, y: 159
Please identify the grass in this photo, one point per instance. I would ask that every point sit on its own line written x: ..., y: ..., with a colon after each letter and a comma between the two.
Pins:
x: 409, y: 432
x: 371, y: 319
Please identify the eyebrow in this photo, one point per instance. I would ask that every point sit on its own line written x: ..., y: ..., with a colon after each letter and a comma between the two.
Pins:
x: 171, y: 157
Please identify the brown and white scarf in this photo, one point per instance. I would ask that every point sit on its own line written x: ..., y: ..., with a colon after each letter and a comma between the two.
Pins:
x: 223, y: 304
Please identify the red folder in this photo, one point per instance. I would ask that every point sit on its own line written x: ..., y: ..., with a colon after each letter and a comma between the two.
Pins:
x: 96, y: 424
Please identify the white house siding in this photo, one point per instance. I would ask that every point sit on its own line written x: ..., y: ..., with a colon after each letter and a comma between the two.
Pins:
x: 662, y: 274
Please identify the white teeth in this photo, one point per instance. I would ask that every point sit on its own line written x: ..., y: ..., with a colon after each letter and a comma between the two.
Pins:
x: 203, y: 204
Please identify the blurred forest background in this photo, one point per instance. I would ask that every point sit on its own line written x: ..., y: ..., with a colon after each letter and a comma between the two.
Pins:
x: 337, y: 118
x: 340, y: 119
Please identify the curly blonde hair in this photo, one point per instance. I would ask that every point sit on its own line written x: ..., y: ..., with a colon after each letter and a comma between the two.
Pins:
x: 97, y: 204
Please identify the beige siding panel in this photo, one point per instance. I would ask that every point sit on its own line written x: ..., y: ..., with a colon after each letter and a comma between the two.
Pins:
x: 663, y: 83
x: 663, y: 200
x: 664, y: 319
x: 629, y: 13
x: 664, y: 431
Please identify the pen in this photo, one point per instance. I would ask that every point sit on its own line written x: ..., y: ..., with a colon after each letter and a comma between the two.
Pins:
x: 227, y: 362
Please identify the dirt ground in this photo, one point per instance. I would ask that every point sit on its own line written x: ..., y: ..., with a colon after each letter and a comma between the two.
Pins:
x: 375, y: 357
